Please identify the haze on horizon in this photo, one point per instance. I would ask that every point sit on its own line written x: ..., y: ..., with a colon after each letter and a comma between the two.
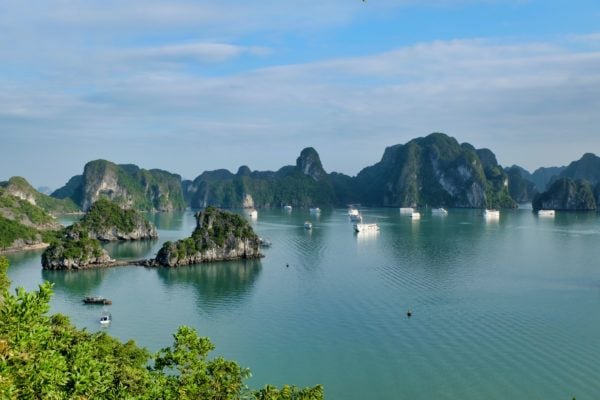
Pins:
x: 189, y: 86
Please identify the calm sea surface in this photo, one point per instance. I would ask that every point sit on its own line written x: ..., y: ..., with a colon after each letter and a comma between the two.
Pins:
x: 501, y: 310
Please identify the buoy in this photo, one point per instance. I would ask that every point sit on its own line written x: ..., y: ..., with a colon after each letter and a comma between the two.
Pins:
x: 287, y: 265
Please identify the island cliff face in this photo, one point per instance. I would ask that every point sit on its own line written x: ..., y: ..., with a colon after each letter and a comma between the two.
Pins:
x: 70, y: 253
x: 126, y: 185
x: 19, y: 187
x: 437, y: 171
x: 219, y: 236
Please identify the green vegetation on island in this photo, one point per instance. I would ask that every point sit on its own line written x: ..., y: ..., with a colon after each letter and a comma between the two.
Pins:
x: 78, y: 245
x: 127, y: 185
x: 567, y: 194
x: 44, y: 356
x: 19, y: 187
x: 219, y: 235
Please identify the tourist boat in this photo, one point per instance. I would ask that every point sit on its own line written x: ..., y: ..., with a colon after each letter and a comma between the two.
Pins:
x: 439, y: 211
x: 492, y: 214
x: 366, y: 227
x: 315, y: 210
x: 307, y: 225
x: 546, y: 213
x: 407, y: 210
x: 287, y: 208
x: 96, y: 300
x: 415, y: 215
x: 105, y: 318
x: 353, y: 212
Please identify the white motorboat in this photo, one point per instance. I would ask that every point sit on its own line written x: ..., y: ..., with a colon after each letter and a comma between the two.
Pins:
x: 491, y: 214
x: 415, y: 215
x: 105, y: 318
x: 439, y: 211
x: 315, y: 210
x: 353, y: 212
x: 359, y: 227
x: 546, y: 213
x: 287, y: 208
x: 407, y: 210
x: 307, y: 225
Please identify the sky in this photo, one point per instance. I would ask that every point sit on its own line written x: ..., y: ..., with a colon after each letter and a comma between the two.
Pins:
x: 189, y: 86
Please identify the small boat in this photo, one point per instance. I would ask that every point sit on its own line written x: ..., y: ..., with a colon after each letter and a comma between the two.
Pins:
x: 546, y: 213
x: 105, y: 318
x: 439, y: 211
x: 96, y: 300
x: 407, y: 210
x: 287, y: 208
x: 315, y: 210
x: 491, y: 214
x: 415, y: 215
x: 353, y: 212
x: 307, y: 225
x: 359, y: 227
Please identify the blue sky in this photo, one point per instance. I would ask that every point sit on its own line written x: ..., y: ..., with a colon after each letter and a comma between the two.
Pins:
x: 189, y: 86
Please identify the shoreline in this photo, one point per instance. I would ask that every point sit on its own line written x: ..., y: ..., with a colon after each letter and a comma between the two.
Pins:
x: 29, y: 247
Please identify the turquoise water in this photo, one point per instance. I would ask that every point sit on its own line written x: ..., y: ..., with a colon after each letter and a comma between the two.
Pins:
x: 506, y: 309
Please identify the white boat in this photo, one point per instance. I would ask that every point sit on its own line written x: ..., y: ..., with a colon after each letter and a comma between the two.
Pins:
x: 287, y: 208
x: 546, y: 213
x: 353, y: 212
x: 315, y: 210
x: 491, y: 214
x: 359, y: 227
x: 407, y: 210
x: 307, y: 225
x: 253, y: 214
x: 439, y: 211
x: 415, y: 215
x: 105, y: 318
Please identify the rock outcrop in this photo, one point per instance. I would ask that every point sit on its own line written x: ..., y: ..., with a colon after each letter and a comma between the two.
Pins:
x: 19, y: 187
x: 106, y: 221
x: 520, y: 187
x: 567, y: 194
x: 79, y: 253
x: 219, y: 236
x: 127, y: 185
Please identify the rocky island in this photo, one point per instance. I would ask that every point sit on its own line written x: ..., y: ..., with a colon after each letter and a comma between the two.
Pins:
x: 219, y: 235
x: 79, y: 245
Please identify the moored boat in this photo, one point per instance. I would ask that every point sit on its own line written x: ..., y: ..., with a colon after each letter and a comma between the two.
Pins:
x: 96, y: 300
x: 287, y: 208
x: 491, y: 213
x: 415, y: 215
x: 439, y: 211
x: 315, y: 210
x: 546, y: 213
x: 407, y: 210
x: 307, y: 225
x: 359, y: 227
x: 105, y: 318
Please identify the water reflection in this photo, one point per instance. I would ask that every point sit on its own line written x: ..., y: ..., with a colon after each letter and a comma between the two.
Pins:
x: 80, y: 283
x: 132, y: 249
x: 171, y: 221
x: 219, y: 284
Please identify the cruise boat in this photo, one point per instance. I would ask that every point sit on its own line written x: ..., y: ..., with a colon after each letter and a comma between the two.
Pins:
x: 407, y: 210
x: 307, y: 225
x: 439, y: 211
x: 315, y: 210
x: 359, y: 227
x: 546, y: 213
x: 415, y: 215
x: 491, y: 214
x: 96, y: 300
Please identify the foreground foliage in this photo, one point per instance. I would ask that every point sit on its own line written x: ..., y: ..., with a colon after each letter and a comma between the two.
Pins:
x: 45, y: 357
